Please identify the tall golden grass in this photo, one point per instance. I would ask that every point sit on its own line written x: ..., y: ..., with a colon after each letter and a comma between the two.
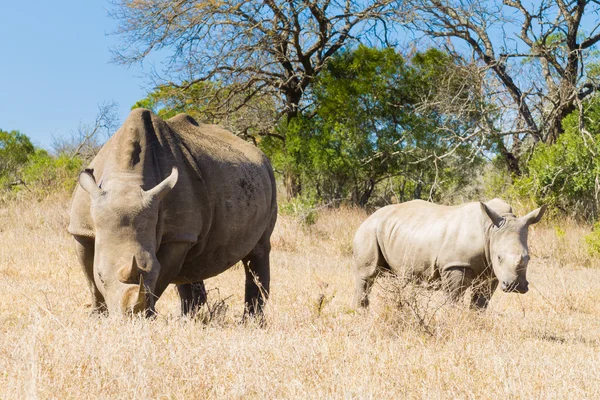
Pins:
x: 543, y: 345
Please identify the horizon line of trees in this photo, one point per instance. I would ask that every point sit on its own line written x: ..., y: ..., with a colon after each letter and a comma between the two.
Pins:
x: 481, y: 87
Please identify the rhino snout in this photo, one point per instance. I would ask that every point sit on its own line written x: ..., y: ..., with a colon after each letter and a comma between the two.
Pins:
x: 516, y: 286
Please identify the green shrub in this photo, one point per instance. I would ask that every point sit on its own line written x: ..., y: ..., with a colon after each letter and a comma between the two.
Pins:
x: 302, y: 207
x: 15, y: 150
x: 566, y: 175
x: 44, y: 173
x: 592, y: 240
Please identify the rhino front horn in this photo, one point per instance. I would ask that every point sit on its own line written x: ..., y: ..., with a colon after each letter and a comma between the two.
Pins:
x: 137, y: 302
x: 141, y: 301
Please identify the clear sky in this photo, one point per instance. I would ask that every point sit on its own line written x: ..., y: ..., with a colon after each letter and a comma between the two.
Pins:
x: 55, y: 67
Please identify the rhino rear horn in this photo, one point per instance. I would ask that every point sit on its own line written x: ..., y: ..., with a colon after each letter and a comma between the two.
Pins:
x: 88, y: 183
x: 160, y: 190
x: 128, y: 273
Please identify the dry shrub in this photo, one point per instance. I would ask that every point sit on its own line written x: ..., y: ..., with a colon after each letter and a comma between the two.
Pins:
x: 561, y: 242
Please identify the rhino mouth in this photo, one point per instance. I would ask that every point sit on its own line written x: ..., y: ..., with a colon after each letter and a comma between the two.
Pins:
x: 515, y: 287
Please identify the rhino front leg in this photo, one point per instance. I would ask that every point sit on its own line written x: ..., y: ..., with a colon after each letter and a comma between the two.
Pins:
x: 456, y: 280
x: 170, y: 257
x: 84, y: 247
x: 193, y: 296
x: 482, y: 293
x: 257, y: 268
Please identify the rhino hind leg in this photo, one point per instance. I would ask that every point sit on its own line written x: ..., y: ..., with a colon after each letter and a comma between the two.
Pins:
x: 256, y: 266
x: 368, y: 264
x: 192, y: 296
x: 84, y: 248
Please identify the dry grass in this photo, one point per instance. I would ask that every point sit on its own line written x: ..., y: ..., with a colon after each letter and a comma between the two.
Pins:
x: 541, y: 345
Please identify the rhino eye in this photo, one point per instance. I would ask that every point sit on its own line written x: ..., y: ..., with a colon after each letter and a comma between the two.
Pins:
x: 499, y: 258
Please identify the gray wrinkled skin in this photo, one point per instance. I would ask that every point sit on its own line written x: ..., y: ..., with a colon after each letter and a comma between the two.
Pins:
x: 172, y: 202
x: 479, y: 244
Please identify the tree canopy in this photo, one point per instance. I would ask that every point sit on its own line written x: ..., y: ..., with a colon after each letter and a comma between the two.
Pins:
x: 15, y: 150
x: 536, y: 60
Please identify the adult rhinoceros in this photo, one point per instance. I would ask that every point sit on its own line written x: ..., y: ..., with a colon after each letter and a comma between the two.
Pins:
x: 481, y: 243
x: 172, y: 202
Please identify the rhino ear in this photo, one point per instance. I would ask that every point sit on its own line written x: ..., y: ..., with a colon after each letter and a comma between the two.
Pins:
x: 535, y: 216
x: 160, y: 190
x: 494, y: 217
x: 88, y: 183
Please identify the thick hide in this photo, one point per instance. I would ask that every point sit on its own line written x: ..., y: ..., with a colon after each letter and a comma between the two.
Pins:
x: 174, y: 202
x: 481, y: 243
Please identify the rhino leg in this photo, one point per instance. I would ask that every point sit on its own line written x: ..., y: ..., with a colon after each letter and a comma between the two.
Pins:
x: 257, y: 268
x: 368, y: 263
x: 171, y: 257
x: 84, y: 247
x: 456, y: 280
x: 193, y: 296
x: 482, y: 293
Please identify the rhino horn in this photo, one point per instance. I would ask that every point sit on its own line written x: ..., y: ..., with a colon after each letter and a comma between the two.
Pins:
x: 126, y: 275
x: 141, y: 304
x: 160, y: 190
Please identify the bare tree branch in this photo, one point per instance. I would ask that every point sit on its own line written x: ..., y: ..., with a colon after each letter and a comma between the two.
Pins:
x: 539, y: 77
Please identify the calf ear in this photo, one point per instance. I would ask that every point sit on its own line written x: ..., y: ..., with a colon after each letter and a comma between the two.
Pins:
x: 535, y: 216
x: 494, y: 217
x: 88, y: 183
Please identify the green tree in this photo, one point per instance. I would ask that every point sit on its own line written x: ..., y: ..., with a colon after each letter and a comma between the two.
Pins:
x: 15, y: 150
x: 534, y: 58
x: 251, y: 119
x: 366, y: 126
x: 566, y: 174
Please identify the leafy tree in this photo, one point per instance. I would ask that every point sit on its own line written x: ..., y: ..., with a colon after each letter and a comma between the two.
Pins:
x: 566, y: 174
x: 252, y: 120
x: 533, y: 57
x: 366, y: 127
x: 15, y: 150
x: 260, y: 52
x: 373, y: 118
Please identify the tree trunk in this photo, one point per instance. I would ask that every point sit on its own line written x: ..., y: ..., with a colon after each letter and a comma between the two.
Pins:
x: 556, y: 128
x: 293, y: 186
x: 512, y: 161
x: 366, y: 194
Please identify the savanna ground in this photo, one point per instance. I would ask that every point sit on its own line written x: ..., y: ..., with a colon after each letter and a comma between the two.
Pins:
x: 542, y: 345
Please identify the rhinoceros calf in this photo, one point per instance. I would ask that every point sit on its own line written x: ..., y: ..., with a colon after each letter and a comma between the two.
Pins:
x: 172, y: 202
x: 482, y: 243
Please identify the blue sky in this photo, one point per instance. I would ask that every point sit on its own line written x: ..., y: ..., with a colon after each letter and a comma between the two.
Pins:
x: 55, y: 67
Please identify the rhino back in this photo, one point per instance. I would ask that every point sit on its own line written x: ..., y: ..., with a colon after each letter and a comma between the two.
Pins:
x: 423, y: 238
x: 235, y: 191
